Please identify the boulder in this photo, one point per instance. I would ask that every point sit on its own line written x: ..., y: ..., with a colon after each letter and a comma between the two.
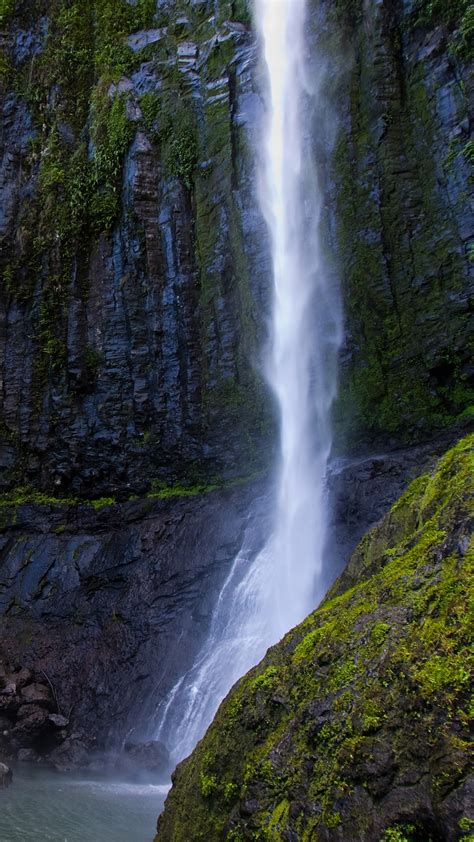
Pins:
x: 6, y: 776
x: 58, y: 720
x: 37, y: 694
x: 71, y: 754
x: 144, y: 759
x: 27, y: 755
x: 32, y: 721
x: 23, y: 677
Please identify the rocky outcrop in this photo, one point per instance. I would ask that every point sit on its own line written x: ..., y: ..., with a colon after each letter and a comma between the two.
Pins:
x: 6, y: 776
x: 361, y: 490
x: 355, y: 725
x: 29, y: 714
x: 110, y: 602
x: 103, y: 608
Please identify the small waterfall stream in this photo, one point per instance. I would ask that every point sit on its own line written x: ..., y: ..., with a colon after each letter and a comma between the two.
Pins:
x: 264, y: 596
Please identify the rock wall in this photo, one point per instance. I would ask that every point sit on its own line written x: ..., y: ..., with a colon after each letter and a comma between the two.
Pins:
x: 405, y: 225
x: 130, y: 311
x: 135, y: 273
x: 109, y: 604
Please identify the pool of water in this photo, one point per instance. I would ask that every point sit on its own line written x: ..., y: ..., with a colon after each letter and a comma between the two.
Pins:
x: 43, y: 806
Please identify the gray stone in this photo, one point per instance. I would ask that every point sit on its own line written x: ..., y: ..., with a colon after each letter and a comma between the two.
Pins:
x: 6, y: 776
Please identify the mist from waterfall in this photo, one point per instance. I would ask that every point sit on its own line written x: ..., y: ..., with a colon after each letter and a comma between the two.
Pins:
x: 267, y: 594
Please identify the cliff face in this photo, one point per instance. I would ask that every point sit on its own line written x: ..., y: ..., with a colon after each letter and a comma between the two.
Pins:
x: 110, y: 603
x: 405, y: 225
x: 134, y: 296
x: 355, y: 725
x: 135, y: 276
x: 128, y: 304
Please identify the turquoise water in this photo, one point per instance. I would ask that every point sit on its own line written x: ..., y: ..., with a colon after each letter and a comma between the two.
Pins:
x: 42, y: 806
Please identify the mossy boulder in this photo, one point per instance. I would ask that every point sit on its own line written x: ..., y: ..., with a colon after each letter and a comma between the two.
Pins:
x: 355, y: 726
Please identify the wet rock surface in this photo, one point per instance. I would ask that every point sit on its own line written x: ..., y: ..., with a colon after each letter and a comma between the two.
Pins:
x: 404, y: 220
x: 6, y: 776
x: 137, y: 359
x: 133, y: 361
x: 104, y: 609
x: 362, y: 489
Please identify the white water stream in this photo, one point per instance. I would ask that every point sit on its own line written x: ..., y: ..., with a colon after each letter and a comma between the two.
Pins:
x: 264, y: 596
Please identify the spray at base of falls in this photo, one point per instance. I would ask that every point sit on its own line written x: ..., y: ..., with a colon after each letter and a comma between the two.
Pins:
x: 264, y: 596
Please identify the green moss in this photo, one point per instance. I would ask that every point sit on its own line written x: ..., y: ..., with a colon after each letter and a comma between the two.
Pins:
x: 382, y: 664
x: 6, y: 7
x: 102, y: 502
x: 456, y: 15
x: 208, y: 784
x: 266, y: 679
x: 399, y: 833
x: 111, y: 132
x: 407, y: 372
x: 181, y: 150
x: 25, y: 495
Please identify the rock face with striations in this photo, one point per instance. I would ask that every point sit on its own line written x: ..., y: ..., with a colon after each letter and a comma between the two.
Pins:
x: 404, y: 220
x: 130, y: 312
x: 134, y: 265
x: 355, y: 726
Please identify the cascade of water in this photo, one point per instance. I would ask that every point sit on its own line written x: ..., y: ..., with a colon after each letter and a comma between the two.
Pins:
x: 265, y: 596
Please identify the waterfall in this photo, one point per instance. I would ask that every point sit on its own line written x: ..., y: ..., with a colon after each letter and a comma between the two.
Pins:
x: 264, y: 596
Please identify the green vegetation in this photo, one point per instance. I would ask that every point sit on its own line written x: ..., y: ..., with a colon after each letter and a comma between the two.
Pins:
x: 111, y: 133
x: 241, y: 11
x: 457, y: 15
x: 27, y: 495
x: 115, y: 19
x: 181, y: 151
x: 378, y: 674
x: 6, y: 7
x: 399, y: 833
x: 150, y: 105
x: 395, y: 281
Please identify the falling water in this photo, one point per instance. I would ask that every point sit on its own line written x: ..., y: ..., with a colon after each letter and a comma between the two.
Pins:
x: 264, y: 596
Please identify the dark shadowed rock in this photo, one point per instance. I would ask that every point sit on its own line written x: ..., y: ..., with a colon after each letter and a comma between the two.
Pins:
x: 149, y: 759
x: 37, y: 694
x: 6, y: 776
x: 115, y: 602
x: 27, y: 755
x: 71, y: 754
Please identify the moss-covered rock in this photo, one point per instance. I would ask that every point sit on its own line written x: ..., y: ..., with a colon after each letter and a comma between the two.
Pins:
x: 133, y: 309
x: 355, y: 726
x: 404, y: 227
